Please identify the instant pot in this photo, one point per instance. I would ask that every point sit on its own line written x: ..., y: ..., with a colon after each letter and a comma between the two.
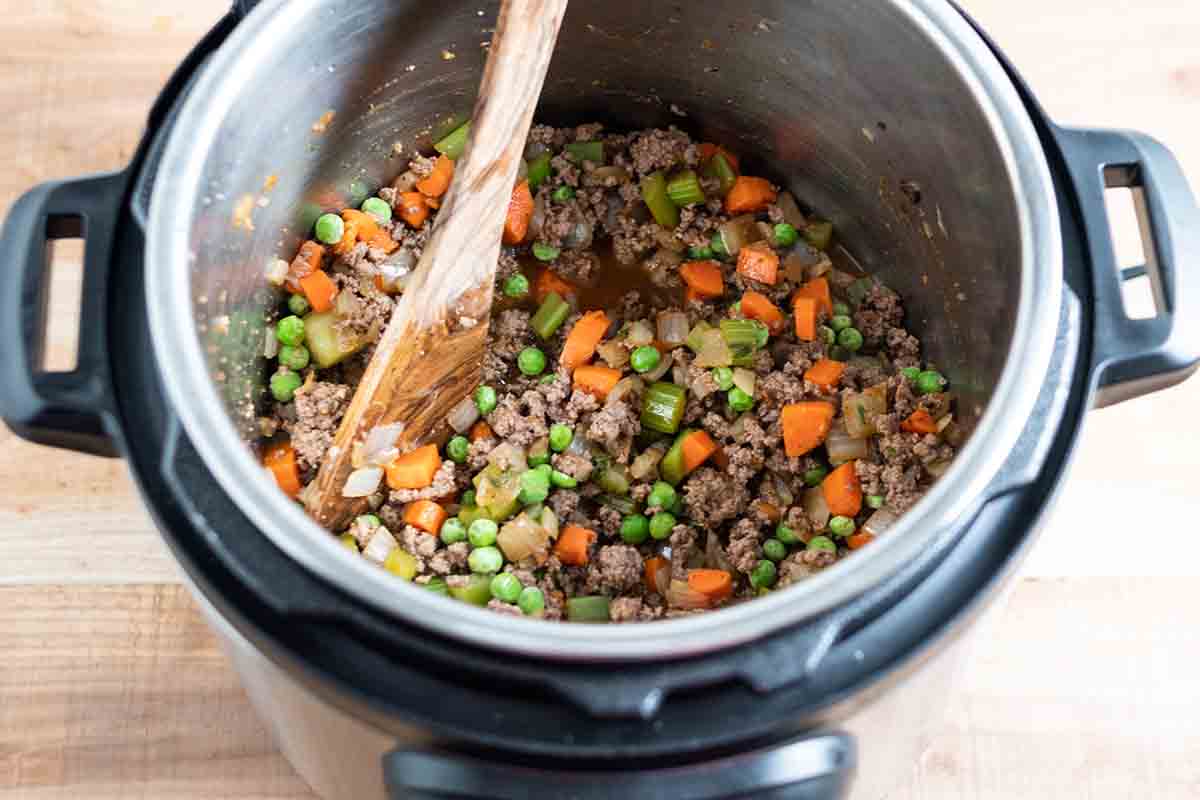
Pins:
x: 897, y: 119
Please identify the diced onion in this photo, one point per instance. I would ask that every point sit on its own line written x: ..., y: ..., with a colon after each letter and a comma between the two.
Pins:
x: 662, y: 578
x: 381, y: 544
x: 347, y: 306
x: 679, y: 375
x: 791, y: 211
x: 645, y: 465
x: 664, y: 364
x: 739, y: 232
x: 944, y: 422
x: 579, y: 237
x: 680, y: 595
x: 523, y: 538
x: 406, y: 181
x: 379, y: 448
x: 714, y: 351
x: 614, y: 353
x: 672, y: 328
x: 508, y: 456
x: 627, y: 386
x: 277, y: 271
x: 938, y: 468
x: 714, y: 554
x: 640, y: 333
x: 880, y: 521
x: 600, y: 175
x: 815, y: 507
x: 363, y: 482
x: 822, y: 266
x: 744, y: 379
x: 550, y: 523
x: 860, y: 411
x: 842, y: 447
x: 463, y: 415
x: 783, y: 491
x: 578, y: 446
x: 270, y: 342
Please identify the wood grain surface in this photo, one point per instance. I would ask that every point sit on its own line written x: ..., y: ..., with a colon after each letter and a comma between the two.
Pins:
x: 1082, y: 685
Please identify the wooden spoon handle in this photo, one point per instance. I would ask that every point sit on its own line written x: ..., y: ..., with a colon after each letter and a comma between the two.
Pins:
x: 429, y: 357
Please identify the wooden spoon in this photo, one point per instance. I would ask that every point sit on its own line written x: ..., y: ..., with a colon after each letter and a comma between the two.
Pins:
x: 430, y: 355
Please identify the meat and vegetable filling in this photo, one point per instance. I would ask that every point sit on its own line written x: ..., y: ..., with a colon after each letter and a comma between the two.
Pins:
x: 684, y: 403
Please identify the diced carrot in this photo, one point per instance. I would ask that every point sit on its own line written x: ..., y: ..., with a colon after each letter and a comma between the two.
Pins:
x: 759, y: 262
x: 704, y: 278
x: 414, y: 470
x: 805, y: 311
x: 365, y: 226
x: 572, y: 545
x: 520, y: 212
x: 818, y: 289
x: 697, y: 446
x: 383, y: 241
x: 653, y: 567
x: 480, y: 430
x: 768, y: 510
x: 749, y: 195
x: 320, y: 290
x: 757, y: 306
x: 439, y: 180
x: 349, y: 238
x: 919, y: 422
x: 843, y: 492
x: 548, y: 282
x: 596, y: 380
x: 690, y: 296
x: 306, y: 262
x: 413, y: 209
x: 426, y: 515
x: 433, y: 202
x: 805, y: 426
x: 715, y: 584
x: 581, y: 342
x: 825, y: 373
x: 281, y: 460
x: 859, y: 540
x: 707, y: 150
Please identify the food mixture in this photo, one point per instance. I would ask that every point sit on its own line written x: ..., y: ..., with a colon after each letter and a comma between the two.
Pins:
x: 684, y: 403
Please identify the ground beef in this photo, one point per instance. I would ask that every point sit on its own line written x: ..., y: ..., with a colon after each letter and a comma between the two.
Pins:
x: 319, y: 410
x: 745, y: 545
x: 661, y: 149
x: 683, y: 547
x: 625, y: 609
x: 522, y: 420
x: 504, y: 608
x: 614, y: 427
x: 565, y: 503
x: 450, y: 559
x: 803, y: 564
x: 616, y: 569
x: 576, y: 266
x: 710, y: 498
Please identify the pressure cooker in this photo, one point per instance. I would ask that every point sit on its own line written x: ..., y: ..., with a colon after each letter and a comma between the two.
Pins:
x: 897, y: 119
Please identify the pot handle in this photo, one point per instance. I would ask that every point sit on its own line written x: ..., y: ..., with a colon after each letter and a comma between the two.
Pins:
x: 819, y: 767
x: 74, y: 410
x: 1133, y: 357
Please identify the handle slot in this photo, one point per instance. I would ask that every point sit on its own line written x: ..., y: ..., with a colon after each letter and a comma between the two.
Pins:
x: 56, y: 342
x: 1142, y: 292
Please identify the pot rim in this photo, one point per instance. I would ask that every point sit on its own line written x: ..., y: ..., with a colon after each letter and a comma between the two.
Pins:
x: 960, y: 491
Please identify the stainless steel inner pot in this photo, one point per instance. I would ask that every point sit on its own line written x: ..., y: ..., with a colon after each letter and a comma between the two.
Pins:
x: 890, y: 117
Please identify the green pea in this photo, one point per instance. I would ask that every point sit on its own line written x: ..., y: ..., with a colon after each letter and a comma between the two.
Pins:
x: 662, y: 495
x: 284, y: 385
x: 485, y: 399
x: 290, y: 330
x: 740, y: 401
x: 644, y: 359
x: 468, y: 498
x: 560, y: 437
x: 531, y: 601
x: 535, y: 486
x: 294, y: 357
x: 701, y: 253
x: 774, y: 549
x: 329, y: 228
x: 875, y: 501
x: 910, y: 372
x: 457, y: 449
x: 562, y: 194
x: 841, y: 526
x: 544, y: 252
x: 635, y: 529
x: 786, y: 235
x: 724, y: 378
x: 516, y: 286
x: 841, y: 310
x: 840, y: 322
x: 822, y: 543
x: 851, y: 339
x: 506, y: 588
x: 763, y: 575
x: 377, y: 208
x: 930, y: 382
x: 562, y: 480
x: 661, y: 524
x: 827, y: 334
x: 531, y: 361
x: 786, y: 535
x: 814, y: 476
x: 485, y: 560
x: 482, y: 533
x: 453, y: 531
x: 298, y: 305
x: 546, y: 470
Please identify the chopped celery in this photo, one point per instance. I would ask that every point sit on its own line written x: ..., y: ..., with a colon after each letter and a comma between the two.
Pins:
x: 654, y: 192
x: 818, y: 233
x: 550, y: 315
x: 670, y: 469
x: 663, y: 407
x: 684, y: 189
x: 695, y: 339
x: 586, y: 151
x: 455, y: 142
x: 742, y: 335
x: 538, y: 171
x: 614, y: 479
x: 477, y: 592
x: 622, y: 504
x: 587, y: 609
x: 325, y: 343
x: 719, y: 167
x: 437, y: 586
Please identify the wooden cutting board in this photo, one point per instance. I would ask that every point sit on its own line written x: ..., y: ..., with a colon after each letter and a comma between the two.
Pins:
x: 1082, y: 685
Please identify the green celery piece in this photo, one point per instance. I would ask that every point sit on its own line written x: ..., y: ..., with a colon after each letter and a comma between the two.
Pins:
x: 663, y: 407
x: 455, y: 142
x: 654, y: 192
x: 719, y: 167
x: 586, y: 151
x: 587, y: 609
x: 818, y: 234
x: 622, y: 504
x: 324, y: 341
x: 695, y: 339
x: 550, y: 316
x: 538, y: 171
x: 477, y: 592
x: 670, y: 469
x: 613, y: 480
x: 684, y: 189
